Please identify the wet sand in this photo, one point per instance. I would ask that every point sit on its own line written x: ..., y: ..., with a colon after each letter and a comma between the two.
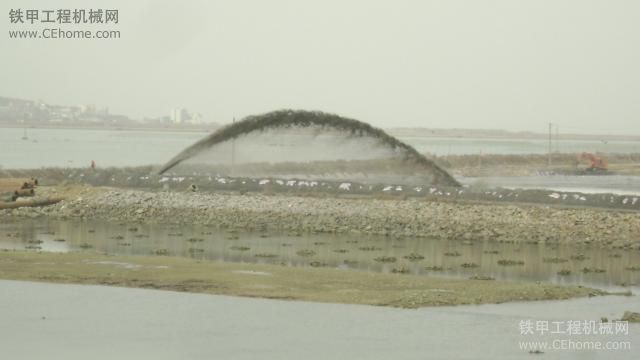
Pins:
x: 273, y: 281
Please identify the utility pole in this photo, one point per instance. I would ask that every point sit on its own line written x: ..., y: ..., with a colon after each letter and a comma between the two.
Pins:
x: 549, y: 152
x: 557, y: 139
x: 233, y: 148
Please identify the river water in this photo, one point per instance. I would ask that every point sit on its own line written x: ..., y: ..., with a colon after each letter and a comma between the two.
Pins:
x: 608, y: 269
x: 615, y: 184
x: 53, y: 321
x: 76, y: 148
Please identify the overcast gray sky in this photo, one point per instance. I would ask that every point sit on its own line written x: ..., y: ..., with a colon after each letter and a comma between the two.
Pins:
x: 506, y: 64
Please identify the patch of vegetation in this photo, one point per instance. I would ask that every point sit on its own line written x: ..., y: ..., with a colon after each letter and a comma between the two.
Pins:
x: 481, y: 277
x: 579, y: 257
x: 414, y: 257
x: 434, y: 268
x: 85, y: 246
x: 564, y: 272
x: 318, y: 264
x: 161, y: 252
x: 370, y: 248
x: 452, y: 253
x: 509, y: 262
x: 401, y: 270
x: 265, y: 255
x: 240, y: 248
x: 305, y: 252
x: 469, y: 265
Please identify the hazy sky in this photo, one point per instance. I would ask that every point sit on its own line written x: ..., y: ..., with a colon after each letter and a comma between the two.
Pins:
x: 465, y: 64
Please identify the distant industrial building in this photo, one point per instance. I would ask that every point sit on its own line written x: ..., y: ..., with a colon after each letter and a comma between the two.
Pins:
x: 183, y: 116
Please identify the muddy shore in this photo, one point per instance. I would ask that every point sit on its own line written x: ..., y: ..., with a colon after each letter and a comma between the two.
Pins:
x: 390, y: 217
x: 272, y: 281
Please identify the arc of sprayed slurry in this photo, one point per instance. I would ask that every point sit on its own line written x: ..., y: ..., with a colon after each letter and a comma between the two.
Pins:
x: 291, y: 118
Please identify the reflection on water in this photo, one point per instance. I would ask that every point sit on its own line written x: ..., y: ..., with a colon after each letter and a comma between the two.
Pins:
x: 502, y: 261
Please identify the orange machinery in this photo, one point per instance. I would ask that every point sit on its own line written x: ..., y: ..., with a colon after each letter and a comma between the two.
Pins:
x: 597, y: 163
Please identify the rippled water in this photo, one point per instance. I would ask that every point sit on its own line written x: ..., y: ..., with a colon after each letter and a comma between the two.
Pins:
x: 549, y: 263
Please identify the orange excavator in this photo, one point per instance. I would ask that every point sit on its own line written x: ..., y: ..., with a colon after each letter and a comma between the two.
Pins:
x: 598, y: 164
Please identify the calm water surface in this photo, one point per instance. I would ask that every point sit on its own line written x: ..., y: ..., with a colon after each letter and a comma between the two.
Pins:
x: 76, y: 148
x: 610, y: 269
x: 54, y: 321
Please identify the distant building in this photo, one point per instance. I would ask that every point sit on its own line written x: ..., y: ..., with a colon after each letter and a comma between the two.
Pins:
x: 179, y: 115
x: 183, y: 116
x: 196, y: 119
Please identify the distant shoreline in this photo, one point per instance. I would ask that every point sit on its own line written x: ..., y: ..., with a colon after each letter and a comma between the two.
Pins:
x: 397, y: 132
x: 106, y: 128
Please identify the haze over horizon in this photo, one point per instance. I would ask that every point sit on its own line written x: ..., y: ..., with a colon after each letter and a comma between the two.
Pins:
x: 495, y: 64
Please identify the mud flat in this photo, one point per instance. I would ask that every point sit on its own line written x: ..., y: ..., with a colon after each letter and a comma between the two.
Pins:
x: 391, y: 217
x: 272, y: 281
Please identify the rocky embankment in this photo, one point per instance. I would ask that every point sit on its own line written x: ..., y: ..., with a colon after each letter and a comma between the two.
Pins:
x: 392, y: 217
x: 146, y: 178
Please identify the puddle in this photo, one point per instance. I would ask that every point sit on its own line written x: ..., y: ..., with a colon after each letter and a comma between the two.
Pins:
x: 604, y: 268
